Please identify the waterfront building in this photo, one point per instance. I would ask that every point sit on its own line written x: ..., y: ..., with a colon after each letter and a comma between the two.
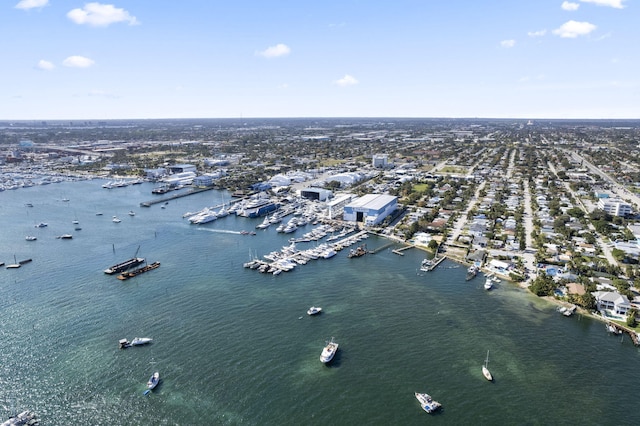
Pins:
x: 182, y: 168
x: 155, y: 174
x: 203, y: 180
x: 183, y: 178
x: 319, y: 194
x: 612, y: 301
x: 336, y: 206
x: 370, y: 209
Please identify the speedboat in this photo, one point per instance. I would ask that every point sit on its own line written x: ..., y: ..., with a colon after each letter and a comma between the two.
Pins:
x: 314, y: 310
x: 329, y: 351
x: 132, y: 213
x: 30, y: 238
x: 41, y: 225
x: 488, y: 284
x: 116, y: 219
x: 137, y: 341
x: 427, y: 403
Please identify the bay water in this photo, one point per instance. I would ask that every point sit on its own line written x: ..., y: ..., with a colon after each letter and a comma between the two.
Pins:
x: 234, y: 346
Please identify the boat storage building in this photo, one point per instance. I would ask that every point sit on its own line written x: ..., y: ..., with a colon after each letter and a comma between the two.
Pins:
x: 370, y: 209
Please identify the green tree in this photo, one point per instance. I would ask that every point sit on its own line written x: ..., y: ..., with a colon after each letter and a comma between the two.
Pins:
x: 543, y: 285
x: 631, y: 318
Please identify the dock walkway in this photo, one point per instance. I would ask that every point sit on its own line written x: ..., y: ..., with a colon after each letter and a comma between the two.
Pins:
x: 634, y: 336
x: 176, y: 194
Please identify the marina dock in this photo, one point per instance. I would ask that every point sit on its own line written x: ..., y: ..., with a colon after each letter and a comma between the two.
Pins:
x: 174, y: 195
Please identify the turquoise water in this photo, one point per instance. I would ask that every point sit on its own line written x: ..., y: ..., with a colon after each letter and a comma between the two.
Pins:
x: 234, y: 346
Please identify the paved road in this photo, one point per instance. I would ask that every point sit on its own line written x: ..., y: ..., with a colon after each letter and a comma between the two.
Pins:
x: 462, y: 219
x: 605, y: 248
x: 616, y: 188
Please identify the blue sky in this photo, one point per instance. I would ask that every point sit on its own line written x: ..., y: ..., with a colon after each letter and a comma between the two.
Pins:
x: 67, y: 59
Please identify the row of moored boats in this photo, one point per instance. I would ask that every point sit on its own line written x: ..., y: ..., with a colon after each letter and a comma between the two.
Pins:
x: 289, y: 257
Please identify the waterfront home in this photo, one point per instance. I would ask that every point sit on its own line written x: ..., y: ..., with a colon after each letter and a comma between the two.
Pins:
x: 612, y: 301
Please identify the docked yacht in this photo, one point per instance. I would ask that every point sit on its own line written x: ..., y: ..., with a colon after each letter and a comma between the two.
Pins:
x: 488, y: 284
x: 265, y: 223
x: 472, y: 272
x: 329, y: 351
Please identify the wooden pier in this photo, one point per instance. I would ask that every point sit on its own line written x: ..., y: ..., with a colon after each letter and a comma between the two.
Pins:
x: 401, y: 249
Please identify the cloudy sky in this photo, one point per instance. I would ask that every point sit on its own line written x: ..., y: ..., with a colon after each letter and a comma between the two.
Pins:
x: 68, y: 59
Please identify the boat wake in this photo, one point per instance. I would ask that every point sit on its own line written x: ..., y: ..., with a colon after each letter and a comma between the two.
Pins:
x: 221, y: 231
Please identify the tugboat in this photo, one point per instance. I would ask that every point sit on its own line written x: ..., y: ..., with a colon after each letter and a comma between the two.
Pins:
x: 360, y: 251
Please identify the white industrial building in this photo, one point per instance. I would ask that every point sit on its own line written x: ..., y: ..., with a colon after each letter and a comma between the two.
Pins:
x: 370, y: 209
x: 380, y: 161
x: 614, y: 206
x: 336, y: 206
x: 319, y: 194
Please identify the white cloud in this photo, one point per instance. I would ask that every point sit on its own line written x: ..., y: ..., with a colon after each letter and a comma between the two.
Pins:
x: 538, y: 33
x: 567, y: 5
x: 45, y: 65
x: 507, y: 43
x: 275, y: 51
x: 347, y: 80
x: 100, y: 15
x: 31, y: 4
x: 573, y: 29
x: 618, y: 4
x: 77, y: 62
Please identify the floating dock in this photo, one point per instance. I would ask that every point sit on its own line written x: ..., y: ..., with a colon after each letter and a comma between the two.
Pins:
x: 136, y: 272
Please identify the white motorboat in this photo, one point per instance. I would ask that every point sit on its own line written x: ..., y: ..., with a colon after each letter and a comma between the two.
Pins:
x: 137, y: 341
x: 314, y: 310
x: 132, y: 213
x: 485, y: 369
x: 488, y: 284
x: 116, y: 220
x: 427, y: 403
x: 30, y: 238
x: 329, y: 351
x: 152, y: 383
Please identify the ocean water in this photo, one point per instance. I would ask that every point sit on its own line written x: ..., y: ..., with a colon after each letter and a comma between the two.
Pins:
x: 235, y: 347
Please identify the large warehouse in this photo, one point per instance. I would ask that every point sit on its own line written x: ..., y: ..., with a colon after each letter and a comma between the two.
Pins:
x: 370, y: 209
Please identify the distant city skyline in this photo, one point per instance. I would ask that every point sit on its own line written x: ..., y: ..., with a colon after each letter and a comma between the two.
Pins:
x: 528, y: 59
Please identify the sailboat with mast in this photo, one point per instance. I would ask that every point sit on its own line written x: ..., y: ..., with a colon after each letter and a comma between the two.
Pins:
x: 485, y: 369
